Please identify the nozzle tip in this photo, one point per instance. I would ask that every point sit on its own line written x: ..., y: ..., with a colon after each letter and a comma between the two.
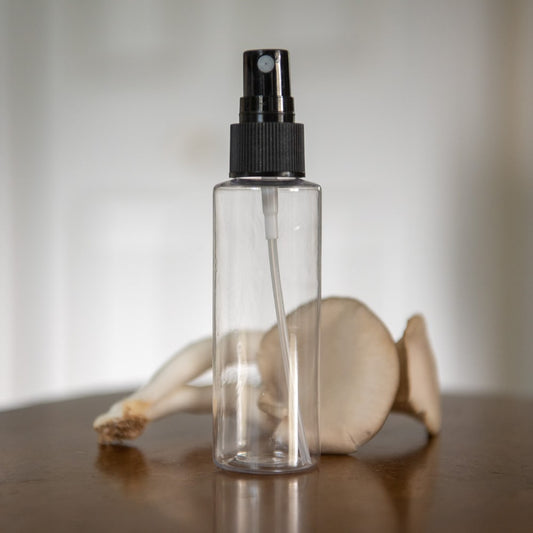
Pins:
x: 266, y: 73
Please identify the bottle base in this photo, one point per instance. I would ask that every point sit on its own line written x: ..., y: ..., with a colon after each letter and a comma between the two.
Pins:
x: 278, y: 463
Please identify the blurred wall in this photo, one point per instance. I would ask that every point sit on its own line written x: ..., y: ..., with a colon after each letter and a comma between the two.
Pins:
x: 115, y: 126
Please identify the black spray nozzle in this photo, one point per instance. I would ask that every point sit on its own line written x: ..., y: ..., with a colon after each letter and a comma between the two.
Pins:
x: 266, y: 142
x: 266, y: 87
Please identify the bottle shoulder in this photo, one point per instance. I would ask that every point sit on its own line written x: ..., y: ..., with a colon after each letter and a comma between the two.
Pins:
x: 256, y: 184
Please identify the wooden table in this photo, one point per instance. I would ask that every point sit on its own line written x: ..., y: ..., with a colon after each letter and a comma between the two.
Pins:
x: 477, y: 476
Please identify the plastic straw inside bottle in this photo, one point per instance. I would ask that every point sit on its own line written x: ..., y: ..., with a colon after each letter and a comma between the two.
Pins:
x: 295, y: 429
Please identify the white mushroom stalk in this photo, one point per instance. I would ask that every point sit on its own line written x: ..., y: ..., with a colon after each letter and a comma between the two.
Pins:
x: 418, y: 392
x: 165, y: 393
x: 364, y: 375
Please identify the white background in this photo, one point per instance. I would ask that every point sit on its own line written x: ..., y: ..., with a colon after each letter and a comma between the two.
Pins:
x: 114, y: 127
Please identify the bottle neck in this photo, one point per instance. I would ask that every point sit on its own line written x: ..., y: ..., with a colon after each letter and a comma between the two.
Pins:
x: 282, y: 179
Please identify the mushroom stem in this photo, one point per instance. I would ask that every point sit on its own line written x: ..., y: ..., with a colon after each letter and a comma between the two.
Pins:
x: 418, y: 391
x: 187, y: 398
x: 184, y: 366
x: 166, y: 392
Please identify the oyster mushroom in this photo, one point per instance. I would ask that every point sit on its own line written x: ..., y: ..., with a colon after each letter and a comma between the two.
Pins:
x: 363, y: 376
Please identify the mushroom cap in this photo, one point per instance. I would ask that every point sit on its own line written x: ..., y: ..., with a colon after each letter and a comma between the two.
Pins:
x: 359, y: 373
x: 419, y: 393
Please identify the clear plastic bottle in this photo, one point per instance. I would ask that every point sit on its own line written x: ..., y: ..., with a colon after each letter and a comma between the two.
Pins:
x: 267, y: 243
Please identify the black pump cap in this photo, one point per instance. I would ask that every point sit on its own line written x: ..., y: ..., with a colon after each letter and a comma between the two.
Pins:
x: 266, y: 141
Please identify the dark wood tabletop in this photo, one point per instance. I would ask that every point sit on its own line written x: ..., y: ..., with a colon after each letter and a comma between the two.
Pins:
x: 476, y: 476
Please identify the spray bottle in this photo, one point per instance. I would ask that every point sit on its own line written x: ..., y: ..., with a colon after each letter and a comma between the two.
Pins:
x: 267, y: 247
